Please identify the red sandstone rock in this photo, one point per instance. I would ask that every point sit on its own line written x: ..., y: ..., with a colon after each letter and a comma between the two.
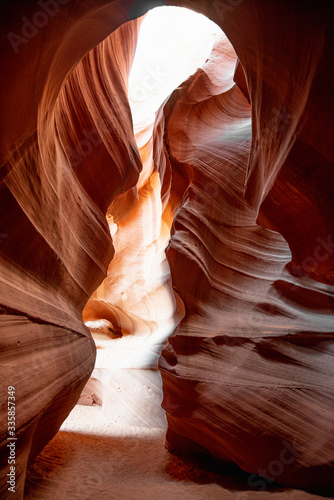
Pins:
x: 248, y: 372
x: 55, y: 244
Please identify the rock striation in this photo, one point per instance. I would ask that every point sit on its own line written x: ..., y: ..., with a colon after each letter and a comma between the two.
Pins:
x: 247, y: 375
x: 239, y: 170
x: 67, y: 151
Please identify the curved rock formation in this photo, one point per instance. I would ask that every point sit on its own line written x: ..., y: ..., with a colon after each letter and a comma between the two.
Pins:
x: 242, y: 172
x: 247, y: 374
x: 66, y: 157
x: 134, y: 310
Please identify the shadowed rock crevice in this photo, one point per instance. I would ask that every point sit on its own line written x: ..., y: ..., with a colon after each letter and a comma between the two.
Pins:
x: 228, y: 193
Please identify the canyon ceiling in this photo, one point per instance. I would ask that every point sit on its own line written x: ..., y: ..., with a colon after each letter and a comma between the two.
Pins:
x: 235, y: 178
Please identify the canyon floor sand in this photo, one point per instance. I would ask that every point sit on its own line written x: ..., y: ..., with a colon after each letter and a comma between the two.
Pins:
x: 91, y: 458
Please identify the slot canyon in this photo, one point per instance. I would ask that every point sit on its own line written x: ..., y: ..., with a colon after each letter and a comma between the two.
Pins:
x: 167, y: 246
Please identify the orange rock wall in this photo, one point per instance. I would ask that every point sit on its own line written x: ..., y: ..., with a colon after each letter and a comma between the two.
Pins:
x: 67, y: 151
x: 248, y: 372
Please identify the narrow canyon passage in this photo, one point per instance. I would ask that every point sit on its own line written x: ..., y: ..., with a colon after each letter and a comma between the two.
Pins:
x: 166, y: 249
x: 134, y: 310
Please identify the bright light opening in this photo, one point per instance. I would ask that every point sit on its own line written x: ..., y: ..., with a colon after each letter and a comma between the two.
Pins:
x: 135, y: 309
x: 173, y: 43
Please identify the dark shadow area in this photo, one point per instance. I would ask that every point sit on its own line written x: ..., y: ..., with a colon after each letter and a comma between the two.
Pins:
x: 208, y: 470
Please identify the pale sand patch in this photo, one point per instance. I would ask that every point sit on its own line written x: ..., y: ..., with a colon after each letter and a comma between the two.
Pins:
x: 91, y: 458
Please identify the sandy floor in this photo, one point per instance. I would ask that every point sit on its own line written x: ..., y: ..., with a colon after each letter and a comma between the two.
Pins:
x: 90, y: 458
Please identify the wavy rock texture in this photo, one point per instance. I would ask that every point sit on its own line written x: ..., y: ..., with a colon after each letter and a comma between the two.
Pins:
x: 73, y: 155
x: 248, y: 192
x: 133, y: 312
x: 248, y: 373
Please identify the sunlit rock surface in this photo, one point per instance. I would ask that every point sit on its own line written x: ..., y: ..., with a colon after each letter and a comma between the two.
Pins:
x: 66, y: 156
x: 239, y: 169
x: 248, y: 374
x: 134, y: 310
